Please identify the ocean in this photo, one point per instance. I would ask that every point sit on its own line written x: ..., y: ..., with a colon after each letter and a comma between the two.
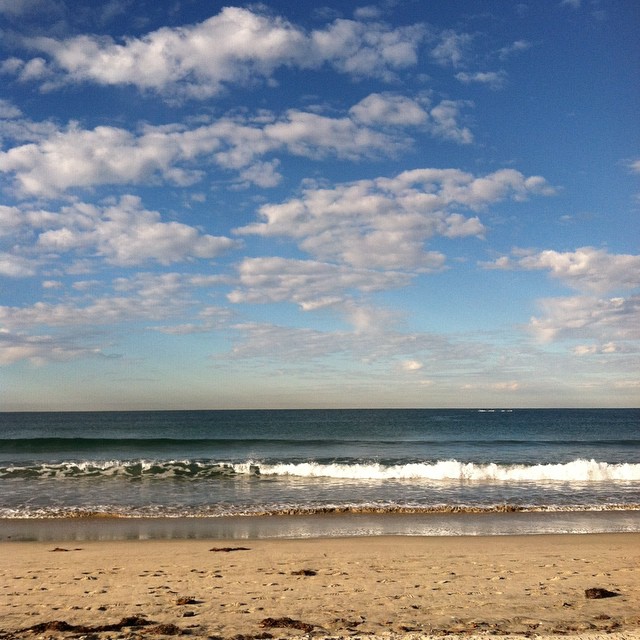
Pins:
x: 319, y: 472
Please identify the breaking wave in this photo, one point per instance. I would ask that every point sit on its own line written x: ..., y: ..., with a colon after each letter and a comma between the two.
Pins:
x: 576, y: 471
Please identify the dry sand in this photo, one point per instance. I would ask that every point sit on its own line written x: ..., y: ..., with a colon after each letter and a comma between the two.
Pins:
x: 411, y: 586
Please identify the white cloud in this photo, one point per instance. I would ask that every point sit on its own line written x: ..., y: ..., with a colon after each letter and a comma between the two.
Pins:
x: 39, y: 350
x: 369, y: 12
x: 452, y: 48
x: 607, y: 321
x: 369, y: 344
x: 388, y: 109
x: 236, y: 46
x: 445, y: 122
x: 493, y: 79
x: 19, y: 7
x: 411, y: 366
x: 515, y: 47
x: 75, y: 325
x: 585, y: 269
x: 310, y: 284
x: 384, y: 223
x: 14, y: 266
x: 54, y: 160
x: 8, y: 110
x: 144, y: 296
x: 511, y: 385
x: 593, y: 349
x: 82, y: 158
x: 634, y: 165
x: 580, y: 317
x: 316, y: 136
x: 123, y: 233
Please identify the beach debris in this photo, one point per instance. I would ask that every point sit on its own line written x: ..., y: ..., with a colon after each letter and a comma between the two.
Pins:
x: 187, y: 600
x: 349, y: 624
x: 166, y: 629
x: 228, y: 549
x: 595, y: 593
x: 61, y: 625
x: 304, y: 572
x: 286, y: 623
x: 63, y: 549
x: 52, y: 625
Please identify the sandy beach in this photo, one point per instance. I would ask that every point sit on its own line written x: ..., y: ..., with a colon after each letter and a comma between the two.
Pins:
x: 411, y: 586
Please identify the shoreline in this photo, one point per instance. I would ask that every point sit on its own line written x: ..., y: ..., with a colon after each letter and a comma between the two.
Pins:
x: 392, y: 586
x: 326, y: 525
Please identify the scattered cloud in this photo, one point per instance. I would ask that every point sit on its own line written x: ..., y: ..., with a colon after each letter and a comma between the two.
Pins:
x: 585, y: 269
x: 120, y: 232
x: 40, y: 349
x: 493, y: 79
x: 592, y: 271
x: 237, y: 46
x: 594, y: 349
x: 56, y: 160
x: 384, y: 223
x: 514, y: 48
x: 586, y: 317
x: 411, y: 366
x: 8, y: 110
x: 309, y: 284
x: 19, y: 7
x: 634, y: 165
x: 452, y: 49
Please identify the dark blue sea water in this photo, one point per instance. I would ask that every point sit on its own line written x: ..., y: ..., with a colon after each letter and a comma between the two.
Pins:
x: 230, y: 463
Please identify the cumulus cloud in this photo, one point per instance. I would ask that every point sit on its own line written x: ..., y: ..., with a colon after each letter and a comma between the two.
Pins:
x: 122, y: 233
x: 143, y: 296
x: 60, y: 331
x: 581, y: 317
x: 411, y: 366
x: 379, y: 343
x: 452, y: 48
x: 15, y: 266
x: 236, y: 46
x: 606, y: 320
x: 55, y: 160
x: 384, y: 223
x: 634, y: 165
x: 493, y: 79
x: 389, y: 109
x: 39, y: 350
x: 594, y: 349
x: 585, y: 269
x: 19, y: 7
x: 310, y: 284
x: 8, y: 110
x: 515, y: 47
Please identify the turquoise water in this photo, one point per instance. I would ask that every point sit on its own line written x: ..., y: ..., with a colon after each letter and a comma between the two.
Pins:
x: 230, y: 463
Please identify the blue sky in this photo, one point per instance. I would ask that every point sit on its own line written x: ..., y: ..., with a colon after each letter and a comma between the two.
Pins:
x: 290, y: 204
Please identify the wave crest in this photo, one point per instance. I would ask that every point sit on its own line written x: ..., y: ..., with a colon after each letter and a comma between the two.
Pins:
x: 576, y: 471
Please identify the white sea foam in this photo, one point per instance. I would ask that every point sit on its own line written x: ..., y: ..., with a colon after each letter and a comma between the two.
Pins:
x: 575, y: 471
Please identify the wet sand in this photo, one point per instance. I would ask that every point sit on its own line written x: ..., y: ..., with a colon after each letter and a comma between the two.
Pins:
x: 338, y: 587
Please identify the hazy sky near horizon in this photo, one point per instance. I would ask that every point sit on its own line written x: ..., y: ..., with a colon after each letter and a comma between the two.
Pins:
x: 340, y: 204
